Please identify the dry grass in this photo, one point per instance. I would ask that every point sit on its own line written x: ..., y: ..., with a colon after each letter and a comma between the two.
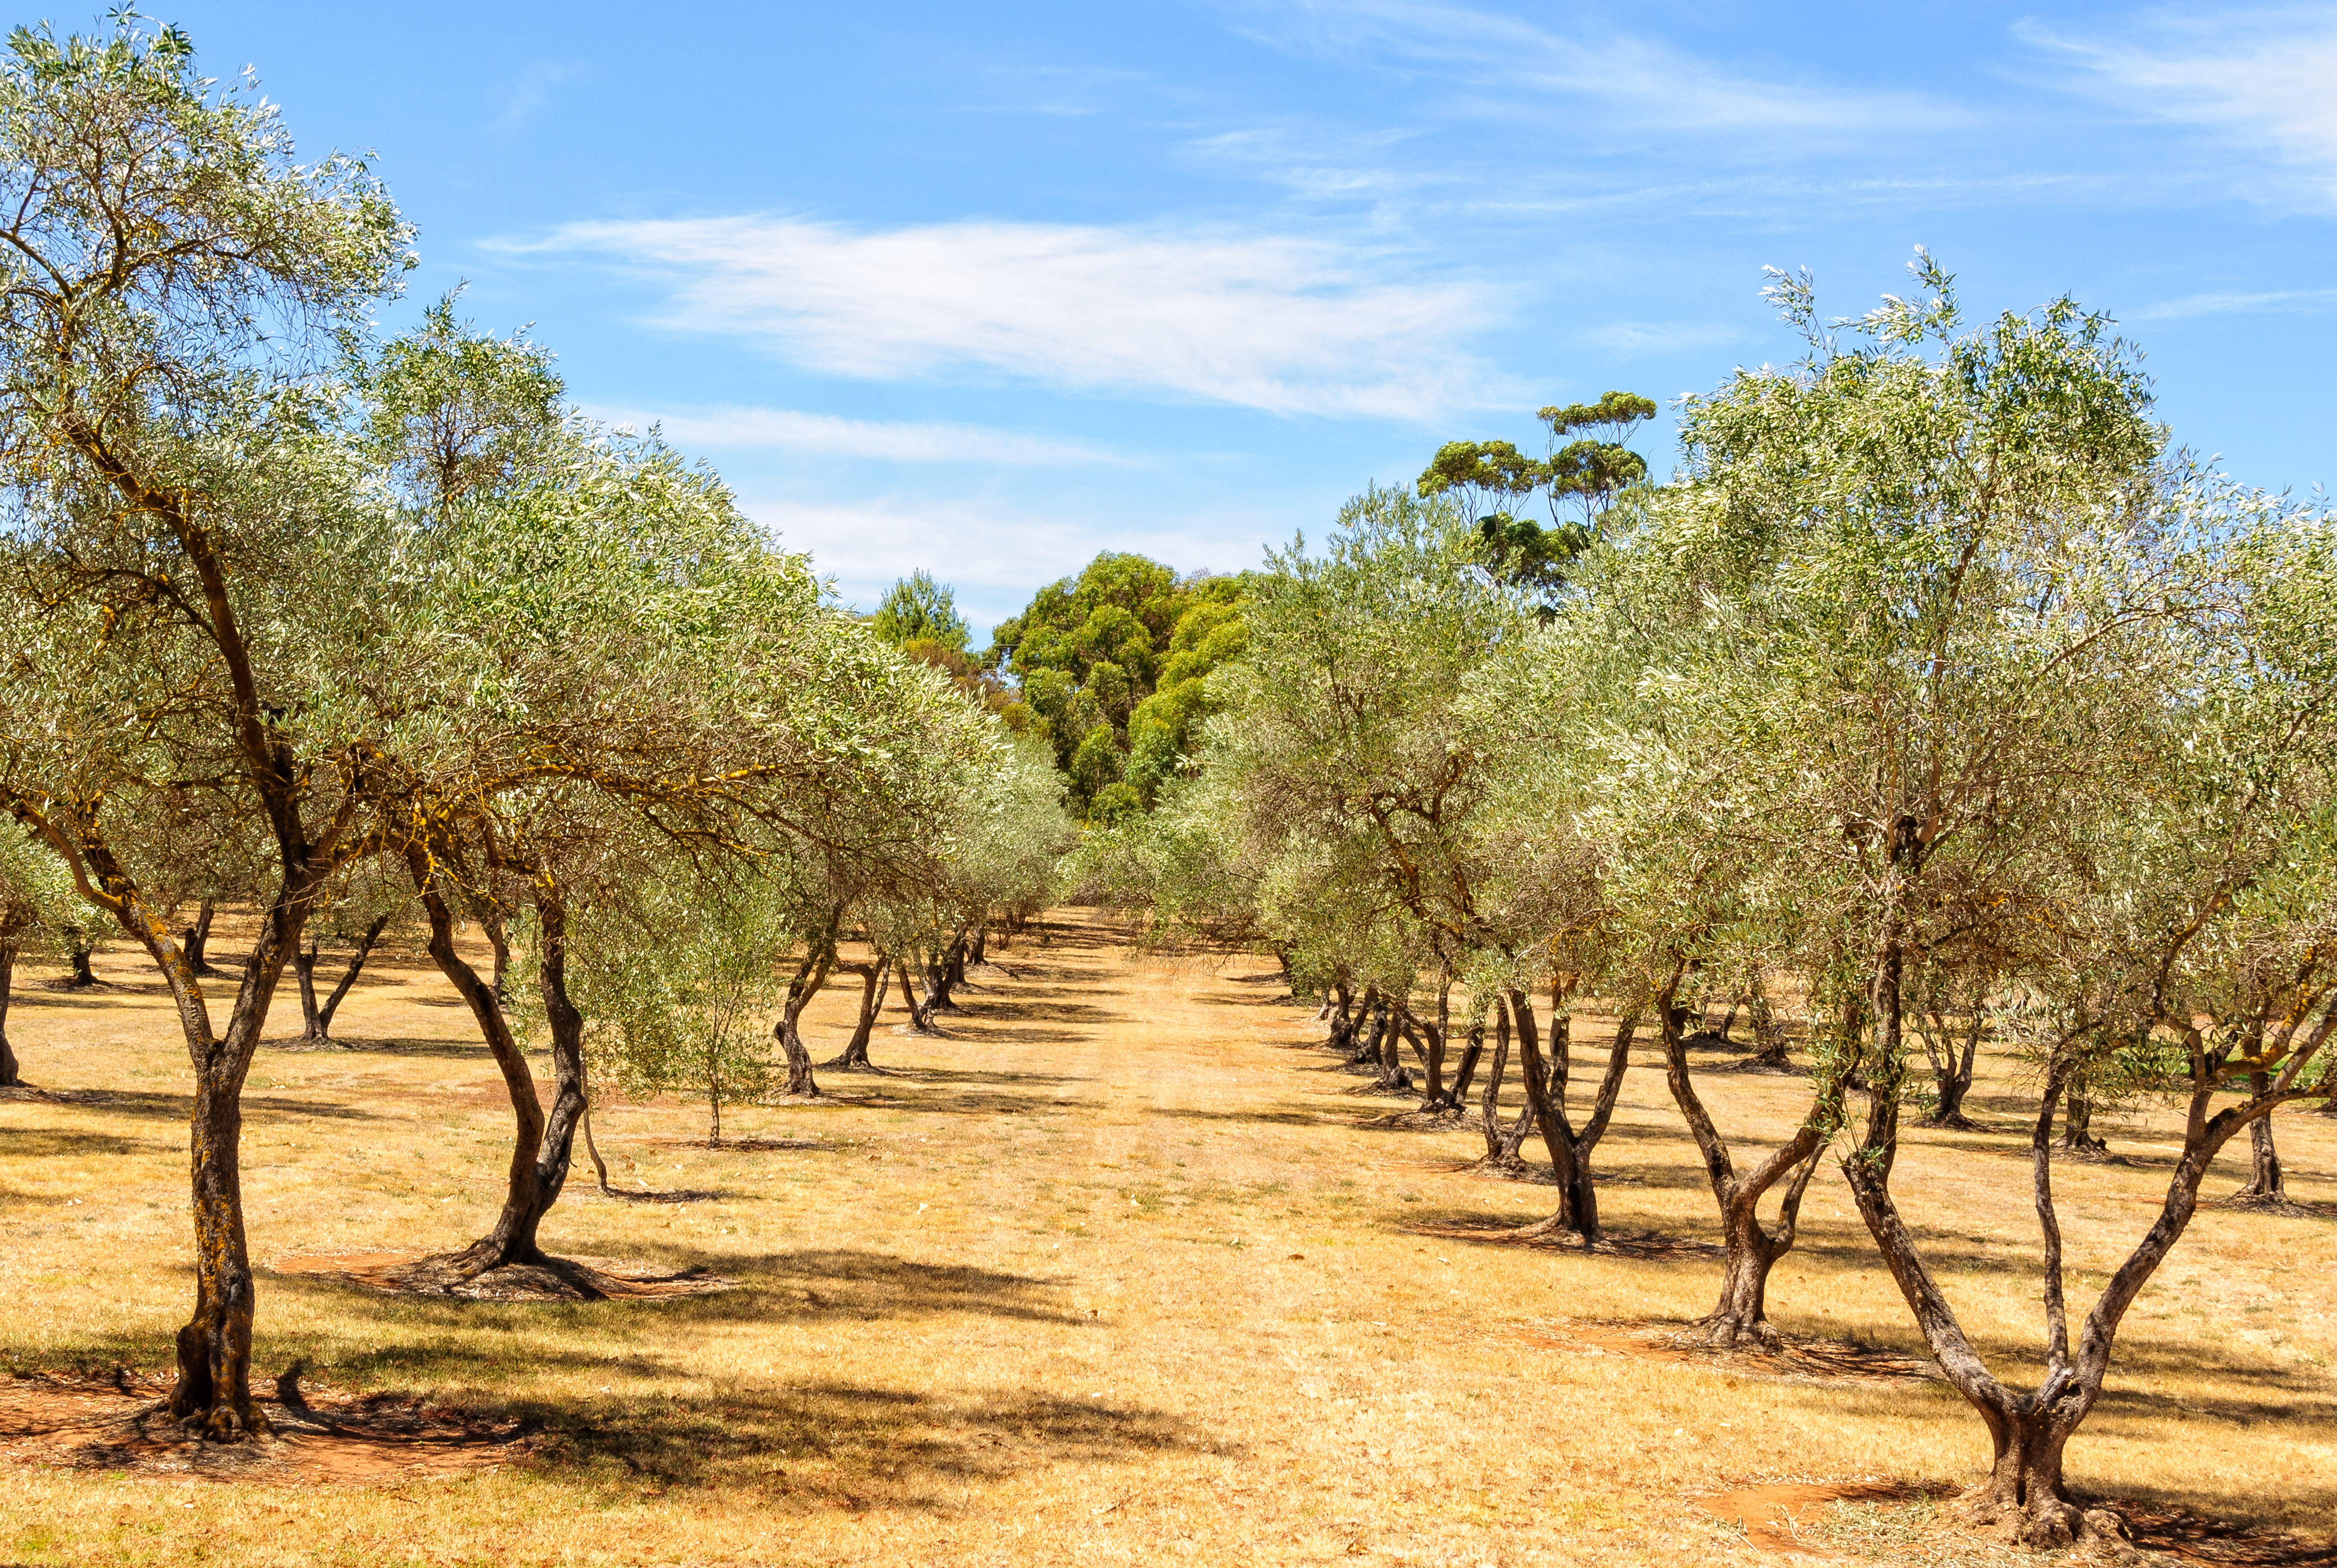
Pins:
x: 1105, y: 1275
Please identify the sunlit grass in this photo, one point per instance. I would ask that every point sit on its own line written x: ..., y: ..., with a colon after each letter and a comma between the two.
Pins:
x: 1039, y: 1303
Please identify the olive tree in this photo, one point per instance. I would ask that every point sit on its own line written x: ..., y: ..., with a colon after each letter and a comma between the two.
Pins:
x: 168, y: 272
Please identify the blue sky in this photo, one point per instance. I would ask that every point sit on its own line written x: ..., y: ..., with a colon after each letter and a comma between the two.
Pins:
x: 987, y: 289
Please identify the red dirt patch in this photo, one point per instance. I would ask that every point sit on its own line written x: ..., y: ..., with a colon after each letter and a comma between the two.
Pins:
x: 555, y: 1280
x: 1793, y: 1360
x: 123, y: 1423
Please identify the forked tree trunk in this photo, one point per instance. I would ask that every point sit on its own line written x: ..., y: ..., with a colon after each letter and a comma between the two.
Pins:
x: 320, y: 1018
x: 1391, y: 1072
x: 981, y: 954
x: 1570, y: 1152
x: 1343, y: 1017
x: 806, y: 985
x: 2267, y: 1187
x: 919, y: 1021
x: 513, y: 1239
x: 873, y: 977
x: 1951, y: 1070
x: 1751, y: 1248
x: 78, y: 948
x: 11, y: 1076
x: 199, y: 937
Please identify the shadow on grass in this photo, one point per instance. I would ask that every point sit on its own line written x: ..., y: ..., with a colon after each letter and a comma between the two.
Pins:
x: 812, y: 1285
x: 153, y: 1104
x: 294, y: 1046
x: 57, y: 1142
x: 829, y: 1444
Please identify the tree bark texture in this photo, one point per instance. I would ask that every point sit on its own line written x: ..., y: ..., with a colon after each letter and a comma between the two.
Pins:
x: 198, y: 939
x: 2028, y: 1431
x: 873, y: 977
x: 1546, y: 1089
x: 1751, y: 1247
x: 2266, y: 1185
x: 808, y: 979
x: 513, y: 1238
x: 1952, y: 1069
x: 11, y: 1074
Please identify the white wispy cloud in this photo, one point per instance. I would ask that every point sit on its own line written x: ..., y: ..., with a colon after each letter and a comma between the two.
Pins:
x: 745, y: 429
x: 2259, y: 78
x: 1661, y: 336
x: 2236, y: 303
x: 533, y: 91
x: 1288, y: 325
x: 1648, y: 82
x: 994, y: 554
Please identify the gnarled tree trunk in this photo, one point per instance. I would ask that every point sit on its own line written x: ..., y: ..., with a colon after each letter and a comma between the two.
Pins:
x: 320, y: 1017
x: 806, y: 984
x: 198, y: 940
x: 1751, y: 1247
x: 1570, y: 1152
x: 873, y: 982
x: 919, y: 1021
x: 2267, y: 1187
x: 10, y: 1074
x: 512, y: 1239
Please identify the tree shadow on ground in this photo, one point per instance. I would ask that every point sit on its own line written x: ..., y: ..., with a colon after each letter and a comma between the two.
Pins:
x: 822, y: 1445
x: 294, y: 1046
x: 152, y: 1103
x: 982, y: 1102
x: 1325, y: 1117
x: 996, y: 1079
x: 60, y: 1143
x: 1032, y: 1006
x: 809, y: 1285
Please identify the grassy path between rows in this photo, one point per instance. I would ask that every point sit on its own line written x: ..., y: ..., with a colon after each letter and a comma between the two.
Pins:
x: 1110, y: 1273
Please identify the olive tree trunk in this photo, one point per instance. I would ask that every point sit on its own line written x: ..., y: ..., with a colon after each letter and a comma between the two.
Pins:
x: 806, y: 985
x: 320, y: 1018
x: 11, y: 1076
x: 2267, y: 1187
x: 874, y: 978
x: 198, y: 939
x: 1750, y: 1247
x: 1570, y: 1152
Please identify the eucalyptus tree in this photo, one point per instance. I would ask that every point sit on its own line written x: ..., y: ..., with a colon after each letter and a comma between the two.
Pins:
x: 169, y: 278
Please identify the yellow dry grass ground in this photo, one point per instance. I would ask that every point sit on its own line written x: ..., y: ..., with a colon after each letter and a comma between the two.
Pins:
x: 1113, y: 1274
